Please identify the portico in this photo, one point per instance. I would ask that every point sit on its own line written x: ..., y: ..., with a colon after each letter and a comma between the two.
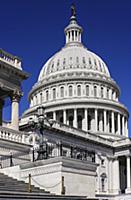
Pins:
x: 11, y: 77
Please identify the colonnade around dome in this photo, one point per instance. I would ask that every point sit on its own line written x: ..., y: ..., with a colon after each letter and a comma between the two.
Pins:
x: 94, y: 120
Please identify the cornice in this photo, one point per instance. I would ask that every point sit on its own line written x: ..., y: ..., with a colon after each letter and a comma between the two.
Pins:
x: 85, y: 102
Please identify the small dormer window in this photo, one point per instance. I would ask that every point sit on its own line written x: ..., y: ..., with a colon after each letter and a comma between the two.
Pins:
x: 102, y: 162
x: 58, y: 62
x: 95, y: 62
x: 77, y: 59
x: 64, y: 61
x: 84, y: 60
x: 89, y: 61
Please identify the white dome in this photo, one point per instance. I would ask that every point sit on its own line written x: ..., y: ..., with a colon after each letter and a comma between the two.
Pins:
x: 74, y: 58
x: 76, y: 89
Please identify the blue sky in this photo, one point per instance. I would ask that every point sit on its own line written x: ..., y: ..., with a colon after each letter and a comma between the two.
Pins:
x: 34, y: 31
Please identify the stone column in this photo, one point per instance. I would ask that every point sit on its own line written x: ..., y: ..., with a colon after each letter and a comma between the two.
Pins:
x: 98, y: 171
x: 128, y: 190
x: 110, y: 185
x: 116, y: 178
x: 1, y: 111
x: 64, y: 117
x: 101, y: 122
x: 118, y: 123
x: 54, y: 115
x: 123, y: 125
x: 126, y: 127
x: 108, y: 124
x: 15, y: 110
x: 96, y: 120
x: 75, y: 118
x: 85, y: 119
x: 105, y: 121
x: 113, y: 122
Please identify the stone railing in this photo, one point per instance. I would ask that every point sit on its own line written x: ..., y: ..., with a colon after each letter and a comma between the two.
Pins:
x: 10, y: 59
x: 81, y: 133
x: 13, y: 135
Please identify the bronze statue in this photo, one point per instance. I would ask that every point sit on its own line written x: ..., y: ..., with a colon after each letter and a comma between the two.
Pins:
x: 73, y: 10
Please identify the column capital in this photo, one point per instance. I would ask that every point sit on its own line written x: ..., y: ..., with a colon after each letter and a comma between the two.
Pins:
x: 16, y: 95
x: 128, y: 155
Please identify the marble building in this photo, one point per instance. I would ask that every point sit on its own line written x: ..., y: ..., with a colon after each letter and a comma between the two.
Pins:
x: 87, y: 141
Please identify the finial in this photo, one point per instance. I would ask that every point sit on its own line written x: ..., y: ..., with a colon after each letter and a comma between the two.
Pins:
x: 73, y: 11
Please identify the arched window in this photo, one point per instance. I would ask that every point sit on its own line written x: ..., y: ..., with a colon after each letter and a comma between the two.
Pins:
x: 62, y: 91
x: 113, y: 94
x: 103, y: 177
x: 71, y: 121
x: 83, y: 59
x: 70, y: 90
x: 47, y: 95
x: 78, y: 90
x: 41, y: 97
x: 89, y: 61
x: 54, y: 93
x: 87, y: 90
x: 102, y: 184
x: 36, y: 99
x: 102, y: 92
x: 95, y: 91
x: 107, y: 93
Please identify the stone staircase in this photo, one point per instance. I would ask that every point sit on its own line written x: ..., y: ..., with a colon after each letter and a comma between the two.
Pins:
x: 12, y: 189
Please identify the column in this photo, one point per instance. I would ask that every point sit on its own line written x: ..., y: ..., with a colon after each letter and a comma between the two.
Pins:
x: 108, y: 124
x: 110, y: 185
x: 64, y: 116
x: 101, y: 122
x: 75, y: 119
x: 15, y: 110
x: 96, y: 120
x: 105, y: 122
x: 54, y: 115
x: 112, y: 122
x: 118, y: 122
x: 98, y: 171
x: 85, y: 119
x: 126, y: 127
x: 128, y: 190
x: 1, y: 111
x: 116, y: 179
x: 123, y: 125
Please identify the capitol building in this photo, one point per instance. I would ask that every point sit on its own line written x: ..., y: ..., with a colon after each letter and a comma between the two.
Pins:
x: 73, y: 139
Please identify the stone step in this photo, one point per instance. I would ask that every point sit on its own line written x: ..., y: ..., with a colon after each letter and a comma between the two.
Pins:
x: 31, y: 196
x: 10, y: 184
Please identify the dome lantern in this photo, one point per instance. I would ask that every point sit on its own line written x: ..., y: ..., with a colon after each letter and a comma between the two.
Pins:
x: 73, y: 31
